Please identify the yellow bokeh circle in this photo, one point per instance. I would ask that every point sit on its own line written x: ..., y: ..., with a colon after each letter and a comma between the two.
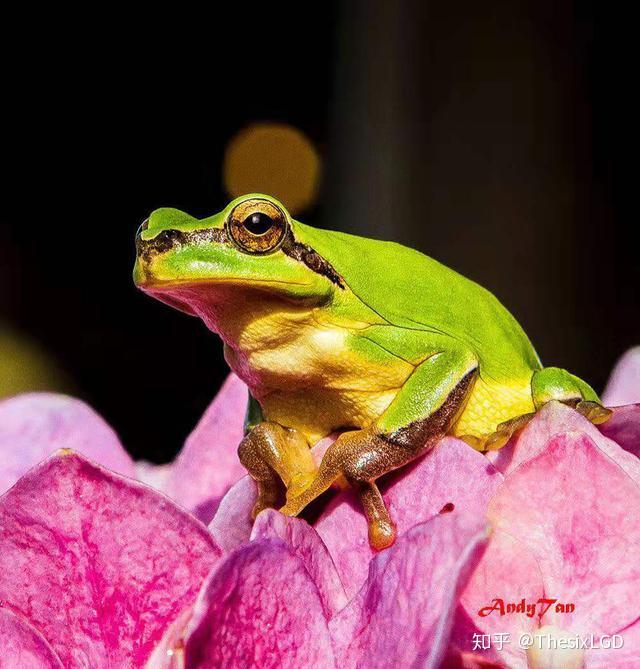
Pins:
x: 276, y: 159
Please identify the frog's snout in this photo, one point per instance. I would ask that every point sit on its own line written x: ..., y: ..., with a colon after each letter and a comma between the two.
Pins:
x: 143, y: 226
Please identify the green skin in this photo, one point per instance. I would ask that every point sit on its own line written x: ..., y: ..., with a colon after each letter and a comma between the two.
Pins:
x: 398, y: 306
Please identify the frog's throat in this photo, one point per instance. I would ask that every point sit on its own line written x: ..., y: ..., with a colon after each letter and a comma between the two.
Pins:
x: 168, y: 240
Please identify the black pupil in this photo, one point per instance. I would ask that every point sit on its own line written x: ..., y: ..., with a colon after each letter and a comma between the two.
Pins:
x: 258, y: 223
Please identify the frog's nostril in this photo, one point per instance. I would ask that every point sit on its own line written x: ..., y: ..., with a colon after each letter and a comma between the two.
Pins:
x: 169, y: 235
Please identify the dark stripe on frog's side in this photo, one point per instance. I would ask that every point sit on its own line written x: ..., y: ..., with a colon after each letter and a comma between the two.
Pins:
x: 169, y: 239
x: 313, y: 260
x: 421, y: 433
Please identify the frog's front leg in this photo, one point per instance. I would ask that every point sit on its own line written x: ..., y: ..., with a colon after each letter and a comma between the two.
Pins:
x: 276, y: 457
x: 423, y: 411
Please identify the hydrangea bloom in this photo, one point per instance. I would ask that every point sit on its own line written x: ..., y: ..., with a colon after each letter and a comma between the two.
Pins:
x: 107, y: 563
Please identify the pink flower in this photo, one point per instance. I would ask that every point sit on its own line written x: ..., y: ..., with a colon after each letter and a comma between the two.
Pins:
x: 100, y: 570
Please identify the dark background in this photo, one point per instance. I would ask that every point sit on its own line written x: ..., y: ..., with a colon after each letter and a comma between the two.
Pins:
x: 496, y: 137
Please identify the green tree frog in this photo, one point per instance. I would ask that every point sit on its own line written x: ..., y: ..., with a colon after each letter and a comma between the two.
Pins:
x: 337, y: 333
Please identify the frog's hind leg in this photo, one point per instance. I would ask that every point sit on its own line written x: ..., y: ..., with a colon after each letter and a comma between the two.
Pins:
x: 553, y: 383
x: 550, y: 383
x: 422, y: 412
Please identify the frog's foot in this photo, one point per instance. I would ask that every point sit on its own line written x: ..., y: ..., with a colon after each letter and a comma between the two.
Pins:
x: 593, y: 411
x: 548, y: 384
x: 277, y: 459
x: 505, y: 431
x: 360, y: 456
x: 553, y: 383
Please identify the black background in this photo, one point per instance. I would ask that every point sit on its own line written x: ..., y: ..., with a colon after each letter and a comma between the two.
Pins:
x: 496, y: 137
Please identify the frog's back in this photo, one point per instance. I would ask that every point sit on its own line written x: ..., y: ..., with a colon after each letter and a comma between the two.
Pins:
x: 411, y: 290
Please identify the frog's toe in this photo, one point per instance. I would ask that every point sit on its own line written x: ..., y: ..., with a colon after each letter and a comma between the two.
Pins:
x: 292, y: 507
x: 594, y: 411
x: 477, y: 443
x: 505, y: 431
x: 382, y: 533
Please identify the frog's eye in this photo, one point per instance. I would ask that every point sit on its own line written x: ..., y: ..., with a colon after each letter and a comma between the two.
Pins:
x: 257, y: 226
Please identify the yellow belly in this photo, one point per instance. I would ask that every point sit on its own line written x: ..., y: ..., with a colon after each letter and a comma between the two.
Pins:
x: 492, y: 404
x: 314, y: 375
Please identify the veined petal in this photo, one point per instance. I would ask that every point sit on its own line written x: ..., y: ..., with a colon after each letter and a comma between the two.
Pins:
x: 507, y: 574
x: 577, y: 511
x: 100, y: 564
x: 304, y: 541
x: 259, y: 608
x: 404, y: 612
x: 22, y: 646
x: 451, y: 476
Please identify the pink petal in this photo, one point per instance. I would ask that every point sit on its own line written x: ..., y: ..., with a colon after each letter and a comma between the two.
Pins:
x: 22, y: 646
x: 624, y: 383
x: 169, y: 651
x: 627, y: 657
x: 557, y: 418
x: 259, y: 608
x: 451, y: 473
x: 153, y: 475
x: 577, y: 511
x: 507, y: 570
x: 98, y: 563
x: 232, y: 523
x: 34, y: 425
x: 208, y: 465
x: 458, y: 660
x: 624, y: 428
x: 403, y: 614
x: 304, y: 542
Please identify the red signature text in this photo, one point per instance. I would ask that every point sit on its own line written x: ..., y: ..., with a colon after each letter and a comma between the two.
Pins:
x: 530, y: 609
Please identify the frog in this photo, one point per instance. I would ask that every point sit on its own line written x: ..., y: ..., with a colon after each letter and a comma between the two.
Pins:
x: 335, y: 333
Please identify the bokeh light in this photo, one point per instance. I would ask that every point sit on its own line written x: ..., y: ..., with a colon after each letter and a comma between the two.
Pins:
x: 25, y: 366
x: 276, y: 159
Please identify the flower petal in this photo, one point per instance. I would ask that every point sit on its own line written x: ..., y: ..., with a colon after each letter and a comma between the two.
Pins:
x: 208, y: 465
x: 623, y: 386
x: 624, y: 428
x: 22, y: 646
x: 304, y: 542
x: 98, y: 563
x: 405, y: 610
x: 577, y: 512
x: 34, y: 425
x: 507, y: 572
x: 232, y: 523
x: 259, y: 608
x: 452, y: 473
x: 625, y: 657
x: 557, y: 418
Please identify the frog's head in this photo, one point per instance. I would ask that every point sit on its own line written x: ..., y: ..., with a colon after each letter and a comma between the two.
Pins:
x: 249, y: 250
